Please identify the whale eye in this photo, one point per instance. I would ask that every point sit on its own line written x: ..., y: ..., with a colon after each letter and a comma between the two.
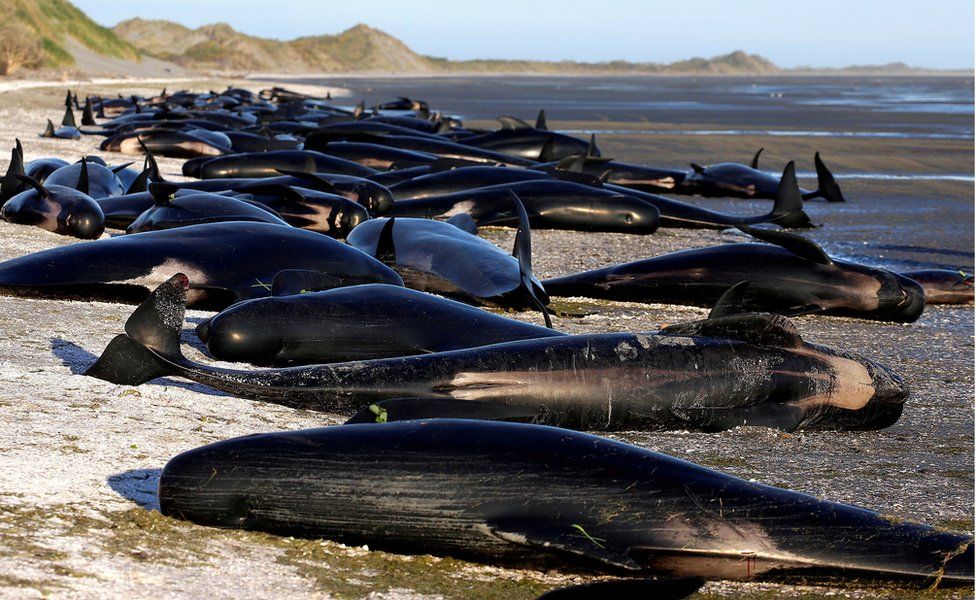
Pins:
x: 629, y: 217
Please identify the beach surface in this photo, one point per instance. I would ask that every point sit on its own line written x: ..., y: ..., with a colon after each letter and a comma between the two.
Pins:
x: 80, y: 458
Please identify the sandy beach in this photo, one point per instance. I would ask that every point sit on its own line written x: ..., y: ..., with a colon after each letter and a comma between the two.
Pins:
x: 80, y: 458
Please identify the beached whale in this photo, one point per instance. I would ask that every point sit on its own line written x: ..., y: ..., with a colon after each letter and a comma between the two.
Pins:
x: 228, y: 262
x: 444, y: 258
x: 518, y: 138
x: 943, y: 286
x: 299, y: 325
x: 789, y: 275
x: 56, y: 208
x: 708, y: 375
x: 270, y: 164
x: 525, y: 495
x: 551, y: 204
x: 170, y: 210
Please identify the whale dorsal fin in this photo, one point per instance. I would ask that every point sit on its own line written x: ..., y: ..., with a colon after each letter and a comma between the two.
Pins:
x: 87, y: 118
x: 150, y: 172
x: 804, y: 248
x: 540, y: 121
x: 11, y: 186
x: 28, y: 180
x: 523, y: 254
x: 119, y: 168
x: 162, y: 192
x: 591, y: 147
x: 757, y: 328
x: 574, y: 163
x: 548, y: 151
x: 321, y: 184
x: 49, y: 130
x: 465, y: 223
x: 568, y: 537
x: 512, y: 123
x: 577, y: 177
x: 697, y: 168
x: 385, y: 249
x: 731, y: 302
x: 755, y: 159
x: 83, y: 177
x: 302, y: 281
x: 67, y: 99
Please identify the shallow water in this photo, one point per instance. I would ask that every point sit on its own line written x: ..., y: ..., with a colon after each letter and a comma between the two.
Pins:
x: 919, y: 105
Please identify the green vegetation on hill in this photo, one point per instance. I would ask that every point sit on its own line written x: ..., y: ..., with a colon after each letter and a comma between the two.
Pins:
x: 221, y: 48
x: 56, y: 23
x: 361, y: 48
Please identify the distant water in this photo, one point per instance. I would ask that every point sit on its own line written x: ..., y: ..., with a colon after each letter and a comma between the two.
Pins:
x: 776, y: 133
x: 910, y: 107
x: 889, y: 176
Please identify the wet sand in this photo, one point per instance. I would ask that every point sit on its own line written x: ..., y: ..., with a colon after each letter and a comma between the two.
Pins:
x: 79, y: 458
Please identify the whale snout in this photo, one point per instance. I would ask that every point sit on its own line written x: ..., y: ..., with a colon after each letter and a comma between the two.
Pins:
x: 239, y: 336
x: 351, y: 217
x: 203, y: 331
x: 639, y: 217
x: 865, y: 394
x: 377, y: 199
x: 196, y: 486
x: 87, y: 225
x: 901, y: 299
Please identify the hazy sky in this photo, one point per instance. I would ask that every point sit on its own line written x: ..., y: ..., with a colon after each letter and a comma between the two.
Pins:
x: 829, y: 33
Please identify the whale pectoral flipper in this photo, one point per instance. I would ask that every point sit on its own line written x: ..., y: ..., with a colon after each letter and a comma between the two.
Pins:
x: 569, y: 538
x: 797, y: 244
x: 406, y: 409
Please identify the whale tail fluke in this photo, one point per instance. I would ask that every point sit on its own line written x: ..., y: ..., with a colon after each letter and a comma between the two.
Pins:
x: 827, y: 187
x: 151, y: 342
x: 788, y: 207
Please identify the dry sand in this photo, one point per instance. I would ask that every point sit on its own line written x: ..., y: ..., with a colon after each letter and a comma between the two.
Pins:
x: 80, y: 458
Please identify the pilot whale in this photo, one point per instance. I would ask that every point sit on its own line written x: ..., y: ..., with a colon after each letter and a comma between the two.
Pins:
x: 710, y: 375
x: 528, y: 495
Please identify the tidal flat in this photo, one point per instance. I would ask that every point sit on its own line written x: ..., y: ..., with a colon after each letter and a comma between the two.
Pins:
x: 80, y: 458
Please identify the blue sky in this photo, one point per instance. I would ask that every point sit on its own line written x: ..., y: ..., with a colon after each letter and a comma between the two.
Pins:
x: 829, y: 33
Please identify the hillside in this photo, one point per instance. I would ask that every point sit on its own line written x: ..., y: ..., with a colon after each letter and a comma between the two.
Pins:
x: 55, y: 26
x: 219, y: 47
